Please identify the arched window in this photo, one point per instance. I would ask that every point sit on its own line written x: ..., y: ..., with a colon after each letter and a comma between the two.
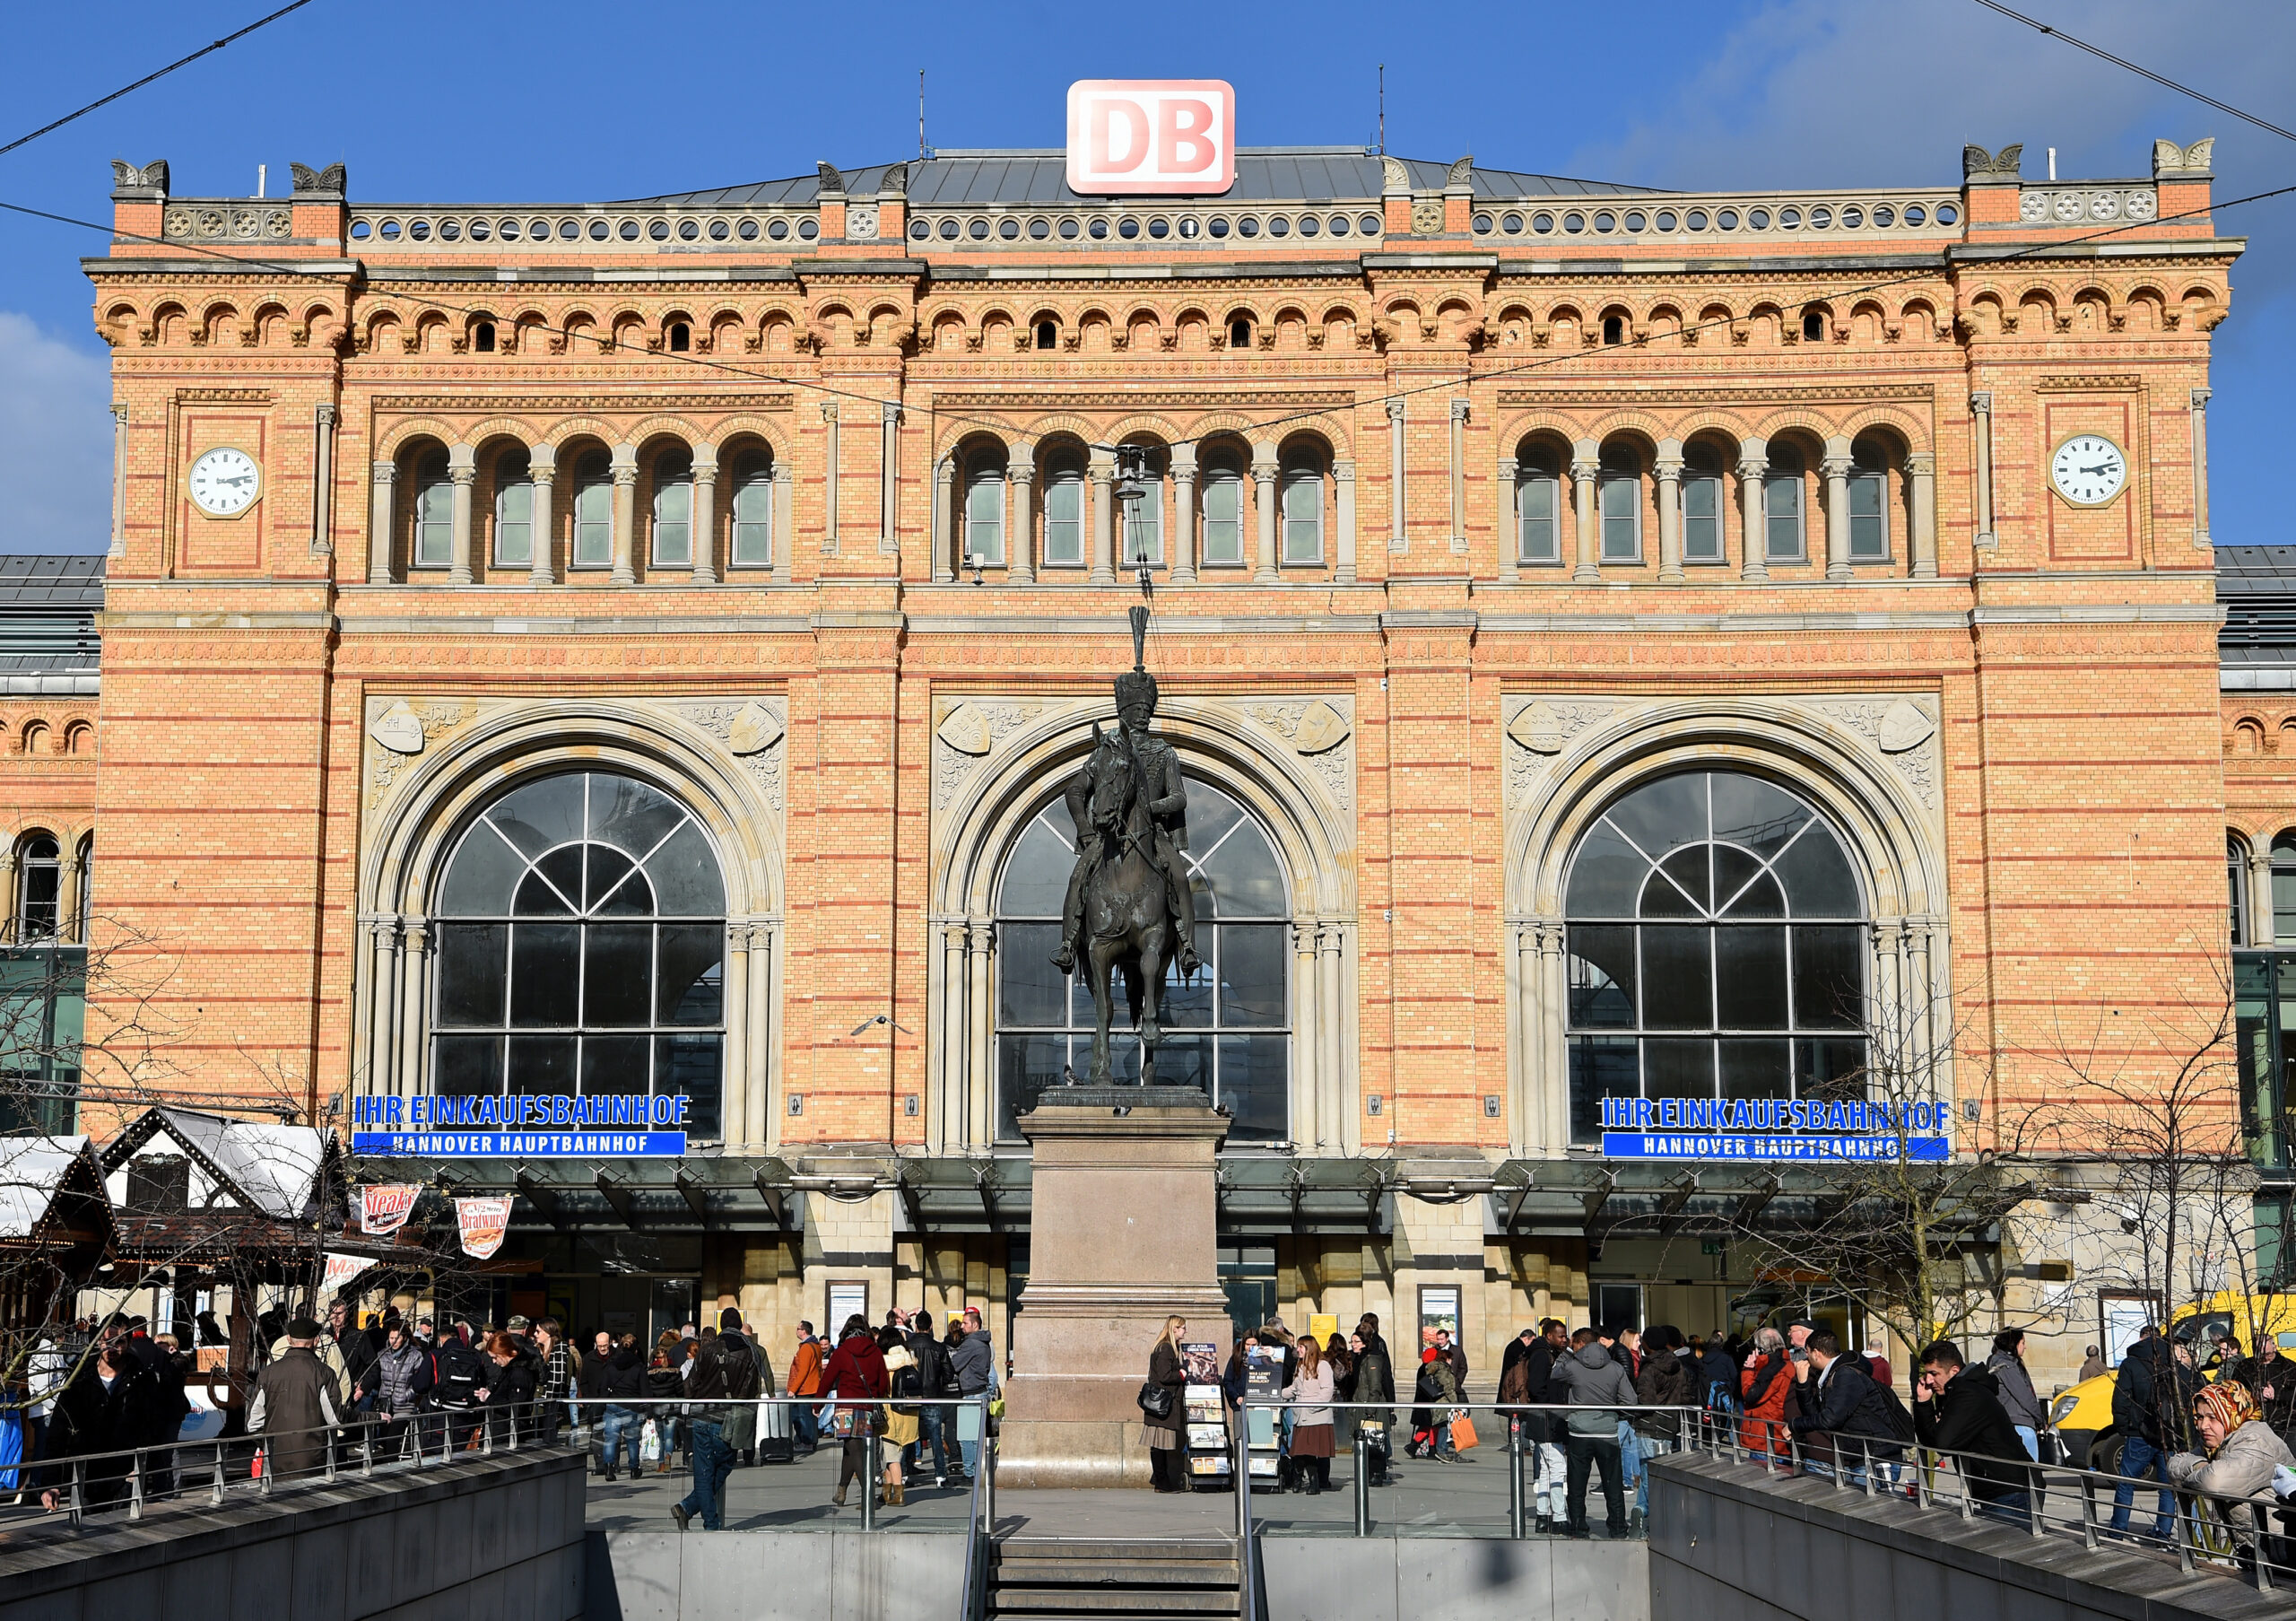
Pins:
x: 673, y: 509
x: 1613, y: 329
x: 1813, y: 327
x: 1869, y: 521
x: 1223, y: 515
x: 1064, y: 513
x: 1302, y: 496
x: 1143, y: 517
x: 1048, y: 334
x: 514, y: 509
x: 1702, y: 505
x: 752, y: 510
x: 594, y: 511
x: 1228, y: 1030
x: 581, y: 948
x: 434, y: 511
x: 2236, y: 873
x: 1619, y: 491
x: 40, y: 888
x: 1717, y: 949
x: 985, y: 512
x: 1538, y: 503
x: 1781, y: 505
x: 2283, y: 888
x: 84, y: 906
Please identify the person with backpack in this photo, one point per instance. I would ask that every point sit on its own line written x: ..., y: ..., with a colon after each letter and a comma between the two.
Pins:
x: 1846, y: 1418
x: 900, y: 1414
x: 1375, y: 1386
x: 2151, y: 1397
x: 855, y: 1375
x: 458, y: 1386
x: 2018, y: 1399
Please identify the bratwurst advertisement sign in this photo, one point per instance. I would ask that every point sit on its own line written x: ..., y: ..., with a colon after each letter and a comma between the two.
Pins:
x: 521, y: 1127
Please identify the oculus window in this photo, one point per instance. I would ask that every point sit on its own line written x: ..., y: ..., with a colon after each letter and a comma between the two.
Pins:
x: 1717, y: 949
x: 1228, y: 1030
x: 581, y: 948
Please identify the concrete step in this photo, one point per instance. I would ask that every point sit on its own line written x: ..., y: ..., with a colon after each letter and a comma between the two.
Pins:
x: 1108, y: 1579
x: 1106, y: 1604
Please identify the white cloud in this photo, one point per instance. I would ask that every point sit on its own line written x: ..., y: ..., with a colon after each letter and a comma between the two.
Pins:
x: 55, y: 427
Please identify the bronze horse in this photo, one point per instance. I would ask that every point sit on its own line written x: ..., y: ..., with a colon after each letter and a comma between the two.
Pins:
x: 1128, y: 923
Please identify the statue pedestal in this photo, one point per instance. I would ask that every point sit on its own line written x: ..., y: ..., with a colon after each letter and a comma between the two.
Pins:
x: 1123, y: 1217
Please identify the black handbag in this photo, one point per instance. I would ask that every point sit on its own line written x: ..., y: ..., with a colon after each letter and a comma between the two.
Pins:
x: 1156, y: 1400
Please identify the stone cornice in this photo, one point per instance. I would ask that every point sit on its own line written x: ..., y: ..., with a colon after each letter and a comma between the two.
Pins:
x: 652, y: 400
x: 1582, y: 394
x: 1111, y: 396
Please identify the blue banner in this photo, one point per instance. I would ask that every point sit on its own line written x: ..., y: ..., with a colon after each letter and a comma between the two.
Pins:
x: 1736, y: 1146
x: 521, y: 1145
x: 1739, y: 1129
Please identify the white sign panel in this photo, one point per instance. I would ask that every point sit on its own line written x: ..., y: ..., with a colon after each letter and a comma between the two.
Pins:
x: 1150, y: 137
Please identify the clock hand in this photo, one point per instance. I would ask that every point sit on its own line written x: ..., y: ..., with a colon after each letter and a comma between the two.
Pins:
x: 2100, y: 467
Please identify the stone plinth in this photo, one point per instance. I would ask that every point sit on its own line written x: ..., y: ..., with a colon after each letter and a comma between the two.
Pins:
x: 1124, y: 1233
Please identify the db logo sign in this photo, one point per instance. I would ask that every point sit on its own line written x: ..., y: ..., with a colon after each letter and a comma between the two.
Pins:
x: 1137, y: 137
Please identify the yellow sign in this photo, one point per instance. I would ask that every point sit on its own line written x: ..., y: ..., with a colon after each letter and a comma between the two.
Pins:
x: 1323, y: 1325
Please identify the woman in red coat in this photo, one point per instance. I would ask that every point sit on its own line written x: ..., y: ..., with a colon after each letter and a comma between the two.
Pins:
x: 1765, y: 1382
x: 855, y: 1370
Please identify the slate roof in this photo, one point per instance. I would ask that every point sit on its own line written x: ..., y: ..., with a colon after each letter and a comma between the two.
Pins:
x: 48, y: 604
x: 2257, y: 587
x: 1302, y: 174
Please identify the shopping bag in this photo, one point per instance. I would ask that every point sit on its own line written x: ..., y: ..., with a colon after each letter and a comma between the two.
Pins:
x: 649, y: 1444
x: 1463, y: 1435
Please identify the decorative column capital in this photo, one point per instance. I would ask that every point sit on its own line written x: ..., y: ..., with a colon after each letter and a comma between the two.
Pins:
x: 1458, y: 410
x: 1920, y: 463
x: 1184, y: 461
x: 1394, y: 411
x: 891, y: 411
x: 385, y: 471
x: 625, y: 463
x: 945, y: 471
x: 119, y: 412
x: 828, y: 411
x: 1264, y: 462
x: 1584, y: 466
x: 1668, y: 469
x: 1836, y: 467
x: 1342, y: 472
x: 1100, y: 464
x: 325, y: 414
x: 1752, y: 466
x: 2201, y: 397
x: 464, y: 475
x: 1981, y: 402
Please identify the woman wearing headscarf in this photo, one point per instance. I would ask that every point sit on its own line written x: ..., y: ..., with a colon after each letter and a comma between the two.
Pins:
x: 1168, y: 1371
x: 1763, y: 1385
x: 2242, y: 1454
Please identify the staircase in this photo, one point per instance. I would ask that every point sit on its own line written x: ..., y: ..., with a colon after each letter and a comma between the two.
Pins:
x: 1093, y: 1579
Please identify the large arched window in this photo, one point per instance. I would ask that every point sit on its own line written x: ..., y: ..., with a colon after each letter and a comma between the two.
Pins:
x: 1223, y: 515
x: 1228, y: 1031
x: 1064, y: 513
x: 1143, y: 518
x: 1869, y: 511
x: 581, y: 944
x: 1702, y: 505
x: 1537, y: 507
x: 985, y: 512
x: 1302, y: 498
x: 514, y: 509
x: 1781, y: 506
x: 1618, y: 491
x: 752, y: 508
x: 674, y: 509
x: 1717, y: 949
x: 2236, y: 873
x: 2283, y: 887
x: 594, y: 511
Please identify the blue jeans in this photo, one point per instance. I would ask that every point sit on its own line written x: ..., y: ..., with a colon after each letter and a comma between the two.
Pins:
x: 804, y: 1418
x: 1630, y: 1462
x: 2140, y: 1459
x: 713, y: 1460
x: 2016, y: 1507
x: 623, y: 1426
x: 929, y: 1420
x: 2032, y: 1440
x: 968, y: 1427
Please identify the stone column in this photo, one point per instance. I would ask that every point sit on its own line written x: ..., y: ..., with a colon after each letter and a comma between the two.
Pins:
x: 1458, y: 449
x: 1020, y: 516
x: 382, y: 1017
x: 1527, y: 1111
x: 542, y: 467
x: 705, y: 515
x: 625, y: 516
x: 946, y: 524
x: 757, y: 1051
x: 829, y: 478
x: 1183, y: 546
x: 1102, y: 470
x: 889, y: 481
x: 1982, y: 414
x: 1333, y: 1110
x: 1835, y: 467
x: 1342, y: 478
x: 382, y: 514
x: 1507, y: 515
x: 1668, y: 470
x: 784, y: 536
x: 1266, y: 499
x: 980, y: 1029
x: 1922, y: 472
x: 945, y: 1128
x: 463, y: 470
x: 2200, y: 536
x: 1585, y: 463
x: 414, y: 966
x: 1553, y: 1084
x: 733, y: 1092
x: 1753, y: 461
x: 119, y: 476
x: 1398, y: 524
x: 1308, y: 1009
x: 322, y: 482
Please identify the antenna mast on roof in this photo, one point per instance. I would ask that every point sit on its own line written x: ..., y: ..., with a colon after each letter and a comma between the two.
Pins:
x: 1383, y: 109
x: 920, y: 114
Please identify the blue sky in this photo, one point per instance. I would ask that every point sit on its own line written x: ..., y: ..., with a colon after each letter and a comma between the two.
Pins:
x: 435, y: 102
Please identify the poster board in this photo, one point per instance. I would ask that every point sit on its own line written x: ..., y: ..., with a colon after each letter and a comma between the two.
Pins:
x: 1439, y: 1307
x: 1205, y: 1443
x: 847, y: 1299
x: 1263, y: 1382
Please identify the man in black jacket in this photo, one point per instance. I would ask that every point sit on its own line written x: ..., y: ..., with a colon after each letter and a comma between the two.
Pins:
x: 1844, y: 1415
x: 1375, y: 1384
x: 2151, y: 1404
x: 112, y: 1404
x: 936, y: 1378
x: 1958, y: 1408
x: 2273, y: 1381
x: 1544, y: 1431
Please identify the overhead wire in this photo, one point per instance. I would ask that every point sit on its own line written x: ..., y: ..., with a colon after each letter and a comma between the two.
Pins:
x: 2141, y: 71
x: 205, y: 50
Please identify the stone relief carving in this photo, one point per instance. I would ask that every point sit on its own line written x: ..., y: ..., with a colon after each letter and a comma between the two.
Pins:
x: 1320, y: 731
x: 1978, y: 162
x: 749, y: 730
x: 2188, y: 162
x: 1538, y: 729
x: 971, y: 729
x: 861, y: 221
x: 1903, y: 732
x: 400, y: 729
x: 2070, y: 205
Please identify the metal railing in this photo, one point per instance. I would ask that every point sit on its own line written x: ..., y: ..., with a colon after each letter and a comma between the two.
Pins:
x: 209, y: 1473
x: 2214, y: 1530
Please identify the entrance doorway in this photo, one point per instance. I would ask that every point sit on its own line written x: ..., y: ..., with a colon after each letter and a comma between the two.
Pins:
x: 1247, y: 1277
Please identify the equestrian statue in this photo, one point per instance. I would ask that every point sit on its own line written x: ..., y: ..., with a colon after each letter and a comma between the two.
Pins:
x: 1129, y: 907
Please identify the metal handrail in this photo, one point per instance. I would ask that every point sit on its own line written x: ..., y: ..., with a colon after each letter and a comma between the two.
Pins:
x: 2194, y: 1541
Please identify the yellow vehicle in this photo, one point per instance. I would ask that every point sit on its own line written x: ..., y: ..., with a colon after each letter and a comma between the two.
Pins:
x: 2082, y: 1416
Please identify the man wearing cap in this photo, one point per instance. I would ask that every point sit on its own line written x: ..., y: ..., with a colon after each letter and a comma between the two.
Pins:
x: 1160, y: 775
x: 295, y: 1400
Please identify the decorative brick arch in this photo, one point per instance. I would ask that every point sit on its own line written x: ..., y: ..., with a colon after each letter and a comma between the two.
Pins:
x: 400, y: 433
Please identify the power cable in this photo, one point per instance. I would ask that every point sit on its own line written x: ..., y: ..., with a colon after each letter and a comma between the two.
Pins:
x: 205, y: 50
x: 2141, y: 71
x: 619, y: 346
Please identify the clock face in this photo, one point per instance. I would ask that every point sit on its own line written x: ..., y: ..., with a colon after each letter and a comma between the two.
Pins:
x: 224, y: 482
x: 2088, y: 471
